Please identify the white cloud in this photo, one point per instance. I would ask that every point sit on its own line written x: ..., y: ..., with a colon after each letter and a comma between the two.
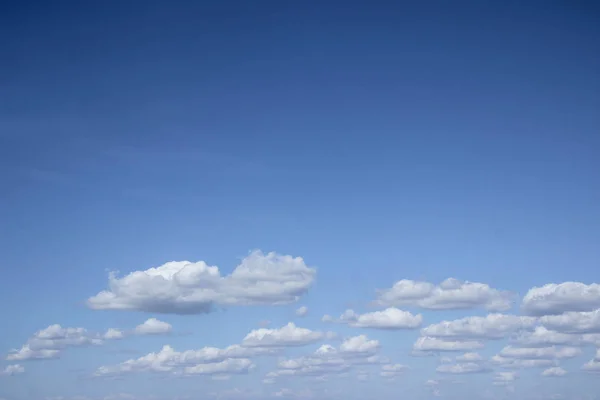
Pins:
x: 558, y: 298
x: 554, y: 371
x: 302, y: 311
x: 227, y: 366
x: 392, y: 370
x: 574, y: 322
x: 327, y: 360
x: 473, y: 357
x: 594, y: 364
x: 153, y: 326
x: 461, y: 368
x: 27, y: 353
x: 492, y: 326
x: 359, y: 345
x: 450, y: 294
x: 516, y: 363
x: 208, y: 360
x: 288, y: 335
x: 390, y: 318
x: 428, y: 344
x: 505, y: 378
x: 543, y: 337
x: 113, y: 333
x: 49, y: 342
x: 14, y: 369
x: 534, y: 353
x: 184, y: 287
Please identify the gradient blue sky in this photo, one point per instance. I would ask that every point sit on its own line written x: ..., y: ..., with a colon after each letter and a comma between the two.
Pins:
x: 378, y: 140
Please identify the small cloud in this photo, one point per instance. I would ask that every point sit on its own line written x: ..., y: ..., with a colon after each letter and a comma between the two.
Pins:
x: 153, y: 326
x: 302, y: 311
x: 11, y: 370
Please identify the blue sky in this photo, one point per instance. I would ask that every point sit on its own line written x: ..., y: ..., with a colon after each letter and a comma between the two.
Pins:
x: 324, y: 151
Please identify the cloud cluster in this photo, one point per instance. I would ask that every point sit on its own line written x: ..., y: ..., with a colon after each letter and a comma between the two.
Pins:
x: 450, y: 294
x: 328, y: 360
x: 462, y: 368
x: 573, y: 322
x: 391, y: 371
x: 559, y: 298
x: 51, y: 341
x: 391, y: 318
x: 554, y: 372
x: 11, y: 370
x: 492, y: 326
x: 234, y: 359
x: 432, y: 344
x: 183, y: 287
x: 208, y: 360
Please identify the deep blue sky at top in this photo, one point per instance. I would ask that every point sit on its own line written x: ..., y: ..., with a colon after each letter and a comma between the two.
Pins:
x: 379, y: 140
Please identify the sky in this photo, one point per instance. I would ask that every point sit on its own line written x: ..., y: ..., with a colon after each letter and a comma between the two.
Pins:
x: 299, y: 199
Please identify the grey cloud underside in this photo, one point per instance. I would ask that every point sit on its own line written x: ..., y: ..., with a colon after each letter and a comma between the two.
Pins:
x: 555, y: 298
x: 182, y: 287
x: 492, y: 326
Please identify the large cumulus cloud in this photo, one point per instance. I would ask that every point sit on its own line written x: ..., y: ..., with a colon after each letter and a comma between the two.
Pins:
x: 183, y: 287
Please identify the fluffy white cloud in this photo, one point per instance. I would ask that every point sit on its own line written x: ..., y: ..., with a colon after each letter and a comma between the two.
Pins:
x: 27, y: 353
x: 360, y: 344
x: 492, y: 326
x: 49, y: 342
x: 288, y: 335
x: 533, y: 353
x: 208, y: 360
x: 462, y: 368
x: 554, y: 371
x: 327, y: 360
x: 302, y: 311
x: 543, y: 337
x: 153, y: 326
x: 113, y: 333
x: 390, y: 318
x: 516, y: 363
x: 184, y: 287
x: 574, y: 322
x: 558, y: 298
x: 450, y: 294
x: 14, y: 369
x: 473, y: 357
x: 227, y: 366
x: 429, y: 344
x: 392, y: 370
